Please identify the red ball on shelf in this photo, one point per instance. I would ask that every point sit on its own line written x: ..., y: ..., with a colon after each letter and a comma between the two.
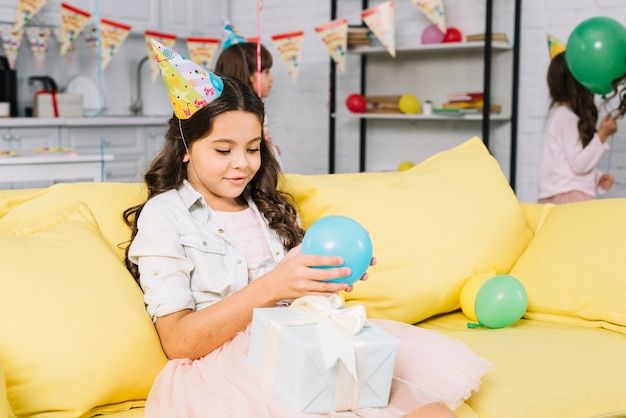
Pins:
x: 452, y: 35
x: 356, y: 103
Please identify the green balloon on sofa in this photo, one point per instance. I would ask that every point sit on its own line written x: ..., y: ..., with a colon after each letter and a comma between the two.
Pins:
x: 499, y: 302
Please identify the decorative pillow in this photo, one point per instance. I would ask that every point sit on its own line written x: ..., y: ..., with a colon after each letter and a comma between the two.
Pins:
x: 432, y: 227
x: 574, y: 270
x: 74, y: 333
x: 107, y: 201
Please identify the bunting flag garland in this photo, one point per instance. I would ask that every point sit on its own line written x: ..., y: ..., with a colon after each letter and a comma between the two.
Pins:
x: 113, y: 35
x: 11, y: 42
x: 434, y: 11
x: 69, y: 55
x: 26, y: 9
x: 90, y: 32
x: 380, y: 20
x: 202, y: 50
x: 335, y: 36
x: 555, y: 47
x: 167, y: 39
x: 289, y: 46
x: 38, y: 39
x: 73, y: 22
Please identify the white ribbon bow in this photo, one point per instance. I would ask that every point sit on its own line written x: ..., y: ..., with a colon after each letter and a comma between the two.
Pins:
x: 336, y: 325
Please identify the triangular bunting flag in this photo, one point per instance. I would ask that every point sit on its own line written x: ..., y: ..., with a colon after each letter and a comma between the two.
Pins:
x: 90, y: 32
x: 202, y: 50
x: 289, y: 46
x: 555, y: 47
x: 26, y: 9
x: 335, y: 36
x: 38, y: 39
x: 434, y: 11
x: 166, y: 39
x: 11, y: 42
x: 112, y: 36
x: 380, y: 20
x: 73, y: 21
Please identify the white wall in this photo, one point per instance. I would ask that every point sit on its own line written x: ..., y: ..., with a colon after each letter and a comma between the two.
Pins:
x: 299, y: 112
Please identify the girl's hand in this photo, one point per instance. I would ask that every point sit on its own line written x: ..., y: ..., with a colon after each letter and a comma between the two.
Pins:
x: 606, y: 181
x: 364, y: 277
x: 294, y: 276
x: 608, y: 126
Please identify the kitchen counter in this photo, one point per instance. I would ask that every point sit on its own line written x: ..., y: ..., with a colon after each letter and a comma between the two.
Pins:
x: 87, y: 121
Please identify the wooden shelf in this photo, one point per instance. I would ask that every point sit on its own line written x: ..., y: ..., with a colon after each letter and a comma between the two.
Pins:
x: 395, y: 116
x: 428, y: 48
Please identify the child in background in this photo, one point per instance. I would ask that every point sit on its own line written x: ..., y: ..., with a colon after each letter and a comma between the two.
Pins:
x: 215, y: 239
x: 572, y: 147
x: 240, y: 60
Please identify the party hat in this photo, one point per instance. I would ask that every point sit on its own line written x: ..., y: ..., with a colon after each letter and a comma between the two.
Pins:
x: 230, y: 35
x: 554, y: 46
x: 189, y: 86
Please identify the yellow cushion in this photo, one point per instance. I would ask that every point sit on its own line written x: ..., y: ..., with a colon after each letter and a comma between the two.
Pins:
x: 575, y: 267
x: 5, y: 408
x: 544, y: 369
x: 107, y: 201
x: 432, y: 227
x: 74, y: 333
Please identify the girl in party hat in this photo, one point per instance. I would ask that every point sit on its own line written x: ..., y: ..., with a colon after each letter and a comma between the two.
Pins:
x: 572, y: 145
x: 215, y: 239
x: 239, y: 58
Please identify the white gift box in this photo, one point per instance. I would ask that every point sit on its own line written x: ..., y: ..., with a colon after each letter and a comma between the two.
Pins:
x: 291, y: 347
x: 62, y: 105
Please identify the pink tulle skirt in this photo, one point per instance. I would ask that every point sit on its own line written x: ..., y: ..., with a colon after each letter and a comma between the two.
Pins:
x: 430, y: 367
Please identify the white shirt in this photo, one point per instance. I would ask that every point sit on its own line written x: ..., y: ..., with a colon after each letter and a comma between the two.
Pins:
x: 186, y: 258
x: 565, y: 164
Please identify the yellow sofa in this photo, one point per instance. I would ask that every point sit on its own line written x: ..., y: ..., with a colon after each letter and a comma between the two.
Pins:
x: 76, y: 341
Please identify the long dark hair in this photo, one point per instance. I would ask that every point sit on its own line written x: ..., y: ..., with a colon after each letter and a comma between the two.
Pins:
x: 621, y: 107
x: 167, y: 171
x: 564, y: 88
x: 239, y: 60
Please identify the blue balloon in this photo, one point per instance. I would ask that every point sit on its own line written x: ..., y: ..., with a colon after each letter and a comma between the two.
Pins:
x: 340, y: 236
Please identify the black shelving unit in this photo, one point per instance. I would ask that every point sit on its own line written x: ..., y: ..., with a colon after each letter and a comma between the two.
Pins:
x: 486, y: 115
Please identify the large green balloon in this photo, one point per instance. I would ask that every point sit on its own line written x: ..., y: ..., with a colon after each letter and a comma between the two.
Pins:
x: 596, y: 53
x: 500, y: 301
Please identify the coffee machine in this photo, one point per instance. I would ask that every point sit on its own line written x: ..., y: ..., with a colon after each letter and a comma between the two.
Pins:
x: 8, y: 85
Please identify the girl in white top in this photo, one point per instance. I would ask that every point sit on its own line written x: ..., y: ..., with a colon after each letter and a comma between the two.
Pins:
x: 215, y: 239
x: 572, y: 147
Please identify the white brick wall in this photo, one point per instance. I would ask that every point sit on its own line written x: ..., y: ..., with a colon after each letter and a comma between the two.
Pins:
x: 299, y: 112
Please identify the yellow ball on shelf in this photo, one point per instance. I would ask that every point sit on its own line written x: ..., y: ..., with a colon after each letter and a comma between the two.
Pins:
x: 408, y: 103
x: 405, y: 165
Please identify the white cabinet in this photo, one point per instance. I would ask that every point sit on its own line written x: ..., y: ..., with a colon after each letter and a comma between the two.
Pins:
x: 25, y: 140
x: 127, y: 144
x: 193, y: 17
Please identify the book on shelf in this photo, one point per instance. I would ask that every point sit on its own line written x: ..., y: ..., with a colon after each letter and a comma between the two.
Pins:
x: 495, y: 37
x: 476, y: 105
x: 465, y: 96
x: 359, y: 36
